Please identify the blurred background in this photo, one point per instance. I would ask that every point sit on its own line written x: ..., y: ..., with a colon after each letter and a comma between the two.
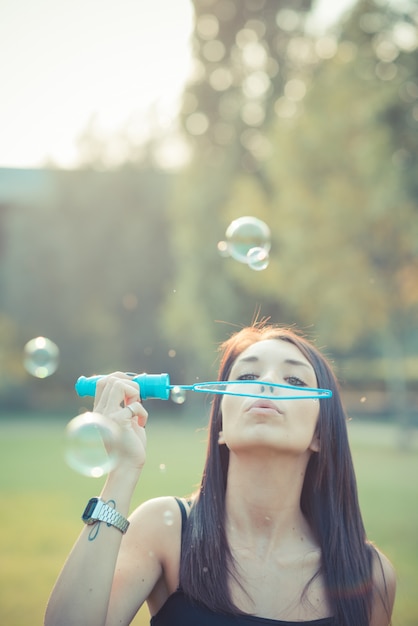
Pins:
x: 132, y: 134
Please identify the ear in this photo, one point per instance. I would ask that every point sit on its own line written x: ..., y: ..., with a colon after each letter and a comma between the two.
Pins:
x: 315, y: 444
x: 221, y: 439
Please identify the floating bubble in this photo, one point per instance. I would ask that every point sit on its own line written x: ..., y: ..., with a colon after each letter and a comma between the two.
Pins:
x: 178, y: 395
x: 223, y: 248
x: 40, y: 357
x: 92, y: 444
x: 168, y: 518
x: 258, y: 259
x: 246, y: 233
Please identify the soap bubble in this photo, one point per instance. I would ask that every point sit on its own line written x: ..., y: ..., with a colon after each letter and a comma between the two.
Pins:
x: 168, y: 518
x: 258, y: 259
x: 178, y: 395
x: 246, y: 233
x: 92, y: 444
x: 40, y: 357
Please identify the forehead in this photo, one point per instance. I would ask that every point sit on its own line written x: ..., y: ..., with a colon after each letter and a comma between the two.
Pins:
x: 276, y: 350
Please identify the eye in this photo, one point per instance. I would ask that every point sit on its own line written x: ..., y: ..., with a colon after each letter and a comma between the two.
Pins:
x: 248, y: 377
x: 295, y: 381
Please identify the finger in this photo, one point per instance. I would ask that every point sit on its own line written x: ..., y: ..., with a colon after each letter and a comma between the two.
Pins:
x: 133, y: 393
x: 137, y: 413
x: 103, y: 383
x: 141, y: 433
x: 114, y: 392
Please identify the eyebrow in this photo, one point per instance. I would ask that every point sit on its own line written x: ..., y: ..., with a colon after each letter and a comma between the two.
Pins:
x: 254, y: 359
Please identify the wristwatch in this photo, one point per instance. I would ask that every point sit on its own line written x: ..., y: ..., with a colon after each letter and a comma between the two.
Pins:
x: 98, y: 511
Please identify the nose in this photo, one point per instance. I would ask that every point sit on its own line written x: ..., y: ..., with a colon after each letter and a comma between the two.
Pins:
x: 268, y: 389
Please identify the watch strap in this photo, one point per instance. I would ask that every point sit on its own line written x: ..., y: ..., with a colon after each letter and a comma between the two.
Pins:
x: 112, y: 517
x: 103, y: 512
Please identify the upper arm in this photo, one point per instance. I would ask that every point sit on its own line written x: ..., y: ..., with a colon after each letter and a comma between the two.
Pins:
x: 148, y: 545
x: 384, y: 589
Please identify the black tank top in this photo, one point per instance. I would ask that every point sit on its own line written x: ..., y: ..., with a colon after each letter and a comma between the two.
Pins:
x: 179, y: 610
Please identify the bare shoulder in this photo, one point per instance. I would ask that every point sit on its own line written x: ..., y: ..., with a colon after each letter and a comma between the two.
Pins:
x: 155, y: 527
x: 159, y: 518
x: 384, y: 579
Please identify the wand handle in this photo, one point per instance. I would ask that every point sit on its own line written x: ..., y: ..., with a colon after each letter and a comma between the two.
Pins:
x: 150, y: 385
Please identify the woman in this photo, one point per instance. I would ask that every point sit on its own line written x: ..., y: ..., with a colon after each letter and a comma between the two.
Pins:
x: 274, y: 537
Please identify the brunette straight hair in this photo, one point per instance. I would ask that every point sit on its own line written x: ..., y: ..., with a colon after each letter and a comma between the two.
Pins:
x: 329, y: 501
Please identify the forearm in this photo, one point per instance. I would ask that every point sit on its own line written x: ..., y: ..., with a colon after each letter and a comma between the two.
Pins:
x: 82, y: 592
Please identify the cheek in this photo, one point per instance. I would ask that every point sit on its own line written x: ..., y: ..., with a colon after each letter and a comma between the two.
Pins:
x: 316, y: 407
x: 314, y: 410
x: 308, y: 412
x: 228, y: 405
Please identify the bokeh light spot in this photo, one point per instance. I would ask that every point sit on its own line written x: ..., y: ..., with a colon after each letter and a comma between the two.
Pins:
x: 223, y: 248
x: 326, y: 47
x: 214, y: 51
x: 256, y: 84
x: 253, y: 113
x: 220, y: 79
x: 207, y: 26
x: 197, y: 123
x: 295, y: 89
x: 287, y: 20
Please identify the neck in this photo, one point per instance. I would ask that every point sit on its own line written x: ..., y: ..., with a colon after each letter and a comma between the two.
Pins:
x: 263, y: 495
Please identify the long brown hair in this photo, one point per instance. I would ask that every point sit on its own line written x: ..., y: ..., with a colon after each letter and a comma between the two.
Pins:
x: 329, y: 500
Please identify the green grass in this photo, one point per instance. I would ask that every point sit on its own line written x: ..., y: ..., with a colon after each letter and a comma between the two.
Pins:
x: 41, y: 501
x: 388, y: 489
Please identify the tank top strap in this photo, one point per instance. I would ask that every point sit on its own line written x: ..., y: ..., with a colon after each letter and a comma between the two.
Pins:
x: 184, y: 515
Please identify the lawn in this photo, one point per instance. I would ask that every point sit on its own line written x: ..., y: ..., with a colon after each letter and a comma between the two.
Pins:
x: 41, y: 500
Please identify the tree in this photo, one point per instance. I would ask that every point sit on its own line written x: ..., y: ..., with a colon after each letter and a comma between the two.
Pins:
x: 242, y: 61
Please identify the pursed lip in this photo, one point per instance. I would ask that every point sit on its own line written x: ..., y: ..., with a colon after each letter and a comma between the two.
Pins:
x: 264, y: 404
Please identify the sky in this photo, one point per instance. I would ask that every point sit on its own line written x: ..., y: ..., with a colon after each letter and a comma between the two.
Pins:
x: 67, y: 65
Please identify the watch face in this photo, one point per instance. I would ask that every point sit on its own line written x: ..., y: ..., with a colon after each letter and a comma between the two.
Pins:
x: 89, y: 508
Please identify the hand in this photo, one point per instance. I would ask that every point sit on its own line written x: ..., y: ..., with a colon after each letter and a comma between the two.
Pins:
x: 114, y: 394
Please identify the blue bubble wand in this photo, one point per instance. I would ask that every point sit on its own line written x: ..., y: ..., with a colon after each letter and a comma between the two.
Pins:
x: 158, y: 386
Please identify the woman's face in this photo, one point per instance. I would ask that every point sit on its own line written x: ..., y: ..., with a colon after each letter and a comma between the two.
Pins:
x: 287, y: 426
